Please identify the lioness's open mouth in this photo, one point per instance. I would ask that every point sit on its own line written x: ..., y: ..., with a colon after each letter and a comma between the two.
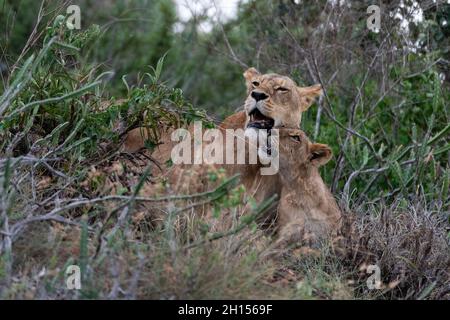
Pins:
x: 259, y: 121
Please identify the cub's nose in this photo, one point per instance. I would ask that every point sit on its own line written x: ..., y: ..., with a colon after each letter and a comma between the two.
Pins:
x: 259, y: 95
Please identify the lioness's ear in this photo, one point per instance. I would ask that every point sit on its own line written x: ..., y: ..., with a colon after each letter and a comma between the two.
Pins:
x: 250, y: 73
x: 320, y: 154
x: 308, y: 95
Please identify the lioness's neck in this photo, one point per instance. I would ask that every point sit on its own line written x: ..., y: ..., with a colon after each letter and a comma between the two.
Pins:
x: 306, y: 173
x: 308, y: 181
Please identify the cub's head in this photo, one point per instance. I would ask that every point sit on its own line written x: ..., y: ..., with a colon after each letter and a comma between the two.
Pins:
x: 275, y: 101
x: 297, y: 155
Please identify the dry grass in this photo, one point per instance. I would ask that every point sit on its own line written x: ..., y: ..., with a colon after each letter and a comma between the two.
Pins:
x: 410, y: 244
x: 172, y: 261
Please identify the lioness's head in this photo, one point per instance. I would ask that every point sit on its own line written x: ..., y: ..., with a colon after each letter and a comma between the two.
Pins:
x: 275, y: 101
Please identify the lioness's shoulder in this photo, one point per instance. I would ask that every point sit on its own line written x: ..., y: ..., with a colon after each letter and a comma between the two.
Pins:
x: 235, y: 121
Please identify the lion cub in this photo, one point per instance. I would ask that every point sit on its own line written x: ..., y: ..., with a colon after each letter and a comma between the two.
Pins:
x: 307, y: 212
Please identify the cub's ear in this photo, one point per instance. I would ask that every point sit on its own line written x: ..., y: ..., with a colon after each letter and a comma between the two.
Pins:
x: 308, y: 95
x: 320, y: 154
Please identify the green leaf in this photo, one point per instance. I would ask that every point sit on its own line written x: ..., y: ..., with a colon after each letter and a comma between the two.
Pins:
x: 439, y: 135
x: 398, y: 172
x: 445, y: 186
x: 365, y: 156
x: 442, y: 149
x: 426, y: 292
x: 76, y: 144
x: 67, y: 46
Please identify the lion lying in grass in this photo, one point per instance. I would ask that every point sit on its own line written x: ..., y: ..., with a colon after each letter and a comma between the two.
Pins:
x: 273, y: 101
x: 307, y: 212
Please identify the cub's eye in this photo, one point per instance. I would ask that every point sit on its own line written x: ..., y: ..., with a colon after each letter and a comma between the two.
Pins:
x: 255, y: 83
x: 296, y: 138
x: 281, y: 89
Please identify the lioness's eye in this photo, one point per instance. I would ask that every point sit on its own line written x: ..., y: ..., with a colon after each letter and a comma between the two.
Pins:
x: 296, y: 138
x: 282, y: 89
x: 255, y: 83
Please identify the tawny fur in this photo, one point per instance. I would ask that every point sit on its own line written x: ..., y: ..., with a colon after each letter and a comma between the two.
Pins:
x: 286, y: 101
x: 285, y: 107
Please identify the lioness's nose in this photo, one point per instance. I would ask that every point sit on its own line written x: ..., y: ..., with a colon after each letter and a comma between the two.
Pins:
x: 259, y: 95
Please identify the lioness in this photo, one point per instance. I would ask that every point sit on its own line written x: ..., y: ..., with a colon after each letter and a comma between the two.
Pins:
x: 273, y: 101
x: 307, y: 212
